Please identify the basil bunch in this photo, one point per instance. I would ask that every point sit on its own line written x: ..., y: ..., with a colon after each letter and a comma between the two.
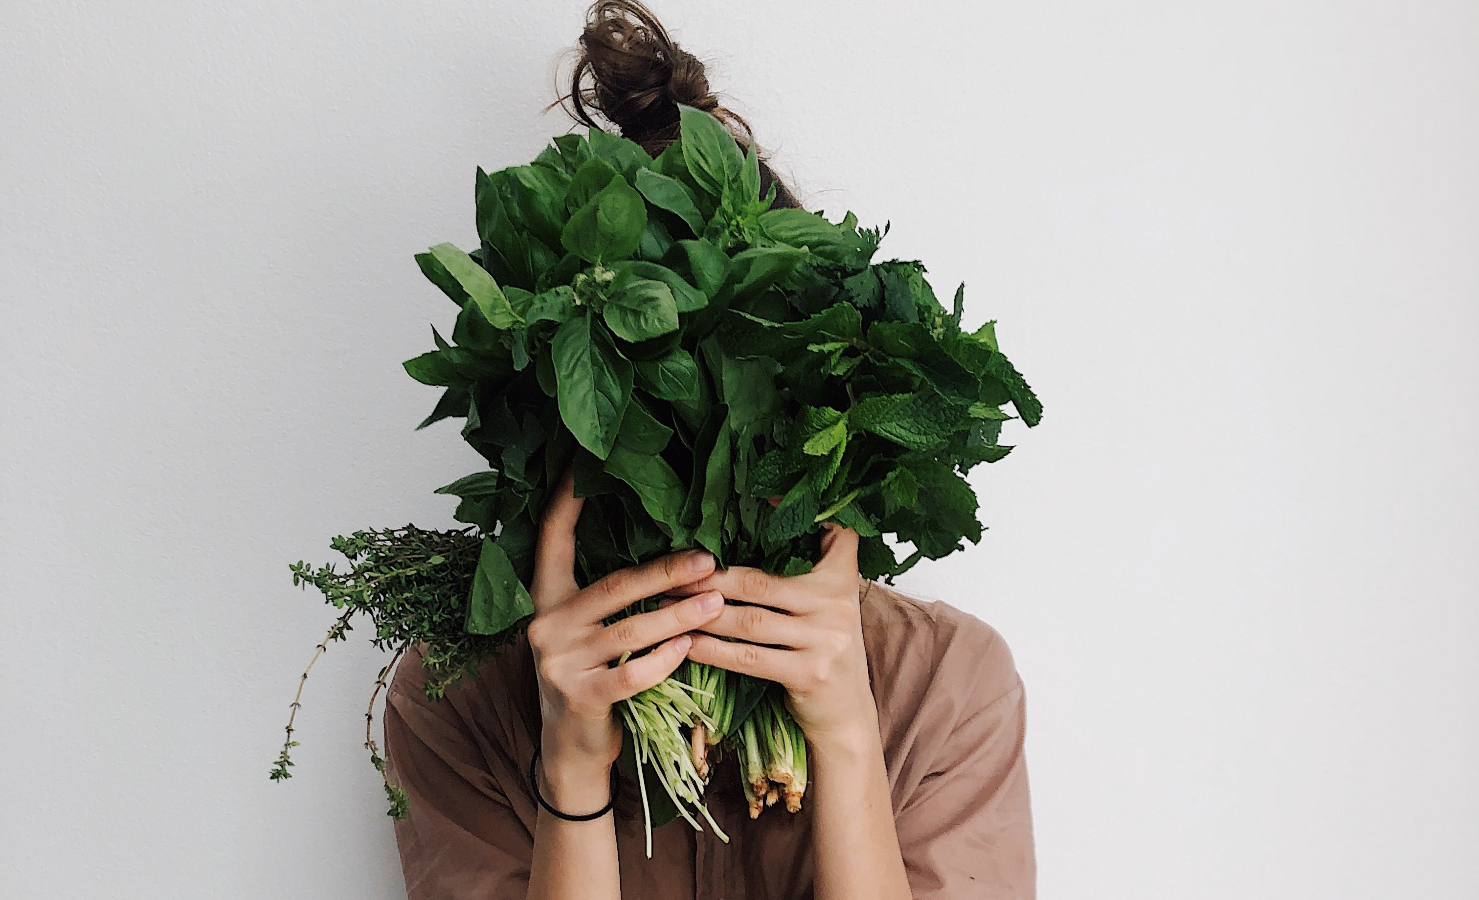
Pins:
x: 692, y: 352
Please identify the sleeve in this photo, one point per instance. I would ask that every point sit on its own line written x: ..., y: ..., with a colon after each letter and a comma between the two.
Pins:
x: 965, y: 831
x: 462, y: 837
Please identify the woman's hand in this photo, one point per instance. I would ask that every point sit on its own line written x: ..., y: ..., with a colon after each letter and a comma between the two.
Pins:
x: 577, y: 689
x: 815, y: 622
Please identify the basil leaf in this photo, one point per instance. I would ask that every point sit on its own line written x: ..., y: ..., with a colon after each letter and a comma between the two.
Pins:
x: 555, y: 305
x: 498, y: 599
x: 609, y: 226
x: 718, y: 485
x: 434, y: 368
x: 756, y: 269
x: 641, y: 433
x: 478, y: 285
x: 626, y: 156
x: 656, y: 484
x: 589, y: 180
x: 670, y: 377
x: 642, y: 309
x: 686, y: 296
x: 709, y: 149
x: 710, y: 265
x: 670, y: 194
x: 594, y: 383
x: 438, y: 275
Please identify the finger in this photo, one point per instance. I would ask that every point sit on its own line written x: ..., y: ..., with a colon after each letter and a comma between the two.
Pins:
x: 753, y: 586
x: 645, y: 629
x: 624, y: 587
x: 637, y: 675
x: 759, y: 625
x: 839, y: 550
x: 768, y: 663
x: 554, y: 556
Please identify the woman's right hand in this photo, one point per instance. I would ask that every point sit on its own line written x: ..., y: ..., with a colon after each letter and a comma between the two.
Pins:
x: 577, y: 689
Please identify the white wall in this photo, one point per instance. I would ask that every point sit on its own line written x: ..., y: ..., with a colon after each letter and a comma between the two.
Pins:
x: 1232, y: 244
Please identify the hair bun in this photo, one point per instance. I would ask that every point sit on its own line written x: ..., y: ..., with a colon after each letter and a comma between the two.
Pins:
x: 633, y: 74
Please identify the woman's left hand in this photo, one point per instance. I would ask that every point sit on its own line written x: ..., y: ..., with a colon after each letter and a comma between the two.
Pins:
x: 814, y: 625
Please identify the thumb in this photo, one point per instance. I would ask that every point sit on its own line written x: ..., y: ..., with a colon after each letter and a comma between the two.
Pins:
x: 839, y: 548
x: 554, y: 557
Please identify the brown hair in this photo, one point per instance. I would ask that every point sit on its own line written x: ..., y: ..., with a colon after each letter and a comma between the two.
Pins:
x: 635, y: 76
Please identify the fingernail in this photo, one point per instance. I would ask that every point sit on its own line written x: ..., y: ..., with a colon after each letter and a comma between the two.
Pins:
x: 711, y: 602
x: 698, y: 560
x: 684, y: 642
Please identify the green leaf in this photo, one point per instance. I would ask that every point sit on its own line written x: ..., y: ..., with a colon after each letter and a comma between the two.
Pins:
x: 575, y: 150
x: 822, y: 442
x: 641, y: 432
x: 478, y: 285
x: 950, y: 500
x: 718, y: 487
x: 609, y: 226
x: 478, y: 486
x: 686, y: 296
x: 747, y: 388
x: 656, y: 484
x: 709, y: 264
x: 641, y: 309
x: 864, y: 289
x: 670, y: 194
x: 745, y: 335
x: 625, y: 155
x: 594, y: 383
x: 498, y: 599
x: 986, y: 334
x: 554, y: 305
x: 749, y: 175
x: 710, y: 150
x: 916, y: 350
x: 900, y: 490
x: 432, y: 368
x: 670, y: 377
x: 795, y: 515
x: 589, y: 180
x: 756, y: 269
x: 917, y: 421
x: 875, y: 559
x: 453, y: 402
x: 438, y: 275
x: 538, y: 196
x: 1028, y: 406
x: 800, y: 228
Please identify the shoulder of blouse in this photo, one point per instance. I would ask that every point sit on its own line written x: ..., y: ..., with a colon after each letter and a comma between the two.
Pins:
x: 499, y: 702
x: 918, y: 647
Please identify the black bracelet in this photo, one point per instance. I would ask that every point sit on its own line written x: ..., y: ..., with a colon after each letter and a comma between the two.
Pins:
x: 534, y: 783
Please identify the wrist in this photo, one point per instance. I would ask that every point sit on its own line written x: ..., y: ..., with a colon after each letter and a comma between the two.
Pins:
x: 573, y: 786
x: 853, y: 735
x: 854, y: 742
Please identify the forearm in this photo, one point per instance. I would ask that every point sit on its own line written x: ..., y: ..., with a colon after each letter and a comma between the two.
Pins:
x: 854, y: 843
x: 574, y: 859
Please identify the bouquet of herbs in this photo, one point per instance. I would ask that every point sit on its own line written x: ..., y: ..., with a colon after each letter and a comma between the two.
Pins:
x: 718, y: 374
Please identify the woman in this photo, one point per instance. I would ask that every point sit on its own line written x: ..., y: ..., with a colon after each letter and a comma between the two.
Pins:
x: 914, y: 712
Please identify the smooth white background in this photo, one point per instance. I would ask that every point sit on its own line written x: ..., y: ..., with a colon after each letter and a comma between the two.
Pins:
x: 1234, y: 246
